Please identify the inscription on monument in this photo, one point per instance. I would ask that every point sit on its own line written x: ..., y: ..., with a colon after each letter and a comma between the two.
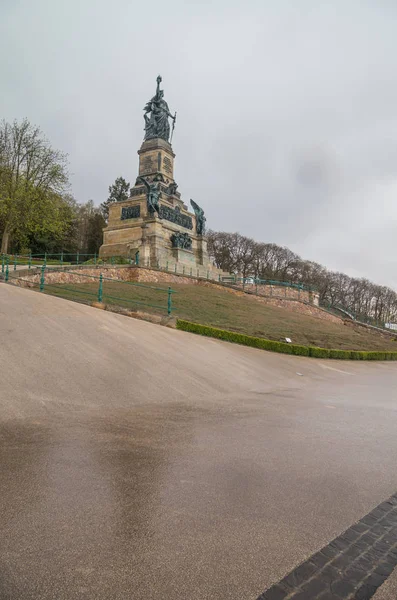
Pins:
x: 137, y: 192
x: 175, y: 216
x: 130, y: 212
x: 167, y: 165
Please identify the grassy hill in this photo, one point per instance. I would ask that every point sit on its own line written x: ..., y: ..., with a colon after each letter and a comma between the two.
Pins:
x: 212, y: 305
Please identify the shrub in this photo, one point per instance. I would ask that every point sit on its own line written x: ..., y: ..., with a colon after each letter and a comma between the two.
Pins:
x: 240, y: 338
x: 374, y: 356
x: 340, y: 354
x: 284, y: 348
x: 319, y: 352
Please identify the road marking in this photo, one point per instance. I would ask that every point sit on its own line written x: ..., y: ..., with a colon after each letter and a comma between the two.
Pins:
x: 352, y: 566
x: 333, y: 369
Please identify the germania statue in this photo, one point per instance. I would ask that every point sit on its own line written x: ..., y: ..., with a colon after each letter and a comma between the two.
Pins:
x: 156, y: 116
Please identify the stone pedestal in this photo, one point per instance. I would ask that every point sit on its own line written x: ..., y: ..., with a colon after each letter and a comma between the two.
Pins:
x: 133, y: 229
x: 183, y: 256
x: 202, y: 252
x: 156, y: 157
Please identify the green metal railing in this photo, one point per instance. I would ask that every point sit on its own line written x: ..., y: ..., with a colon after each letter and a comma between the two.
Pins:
x: 91, y: 288
x: 115, y: 290
x: 62, y: 258
x: 359, y: 318
x: 273, y: 282
x: 339, y: 310
x: 68, y: 260
x: 82, y: 258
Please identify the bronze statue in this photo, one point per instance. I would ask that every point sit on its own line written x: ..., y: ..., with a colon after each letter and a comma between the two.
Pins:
x: 152, y: 195
x: 200, y: 218
x: 157, y: 125
x: 181, y: 240
x: 172, y: 188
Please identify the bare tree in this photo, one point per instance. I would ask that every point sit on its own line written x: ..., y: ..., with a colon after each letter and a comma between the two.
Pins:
x: 362, y: 298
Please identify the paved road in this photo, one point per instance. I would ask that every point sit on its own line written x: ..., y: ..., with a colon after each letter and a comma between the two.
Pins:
x: 141, y: 462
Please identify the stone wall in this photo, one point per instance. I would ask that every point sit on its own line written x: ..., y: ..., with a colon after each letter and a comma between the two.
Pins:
x: 305, y: 309
x: 290, y: 293
x: 71, y: 275
x: 123, y: 273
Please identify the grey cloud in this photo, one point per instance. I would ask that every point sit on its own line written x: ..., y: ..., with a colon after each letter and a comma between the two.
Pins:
x: 287, y: 112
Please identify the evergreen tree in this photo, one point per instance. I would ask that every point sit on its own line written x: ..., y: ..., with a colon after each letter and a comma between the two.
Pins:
x: 118, y: 192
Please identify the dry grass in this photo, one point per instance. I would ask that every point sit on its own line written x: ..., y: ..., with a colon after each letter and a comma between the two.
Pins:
x: 241, y: 313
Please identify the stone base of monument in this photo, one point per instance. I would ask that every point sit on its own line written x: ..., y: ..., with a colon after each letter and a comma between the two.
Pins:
x: 182, y: 256
x: 151, y: 237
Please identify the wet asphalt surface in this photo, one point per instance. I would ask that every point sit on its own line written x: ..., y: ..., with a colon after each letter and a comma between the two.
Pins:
x: 142, y: 462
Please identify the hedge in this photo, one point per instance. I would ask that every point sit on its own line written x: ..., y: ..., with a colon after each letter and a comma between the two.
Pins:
x: 283, y: 347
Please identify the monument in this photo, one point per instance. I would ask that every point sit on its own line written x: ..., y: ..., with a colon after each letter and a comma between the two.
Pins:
x: 154, y: 226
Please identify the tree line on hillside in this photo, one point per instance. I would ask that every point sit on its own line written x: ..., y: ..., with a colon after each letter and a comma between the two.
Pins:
x: 37, y: 212
x: 236, y: 253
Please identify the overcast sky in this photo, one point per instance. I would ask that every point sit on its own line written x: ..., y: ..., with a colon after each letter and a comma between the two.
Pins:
x: 287, y: 110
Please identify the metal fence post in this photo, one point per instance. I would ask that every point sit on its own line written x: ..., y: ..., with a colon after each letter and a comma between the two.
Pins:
x: 7, y: 273
x: 30, y: 261
x: 61, y: 258
x: 2, y: 263
x: 95, y: 258
x: 77, y: 257
x: 15, y: 262
x: 169, y: 303
x: 42, y: 278
x: 100, y: 288
x: 207, y: 274
x: 45, y: 258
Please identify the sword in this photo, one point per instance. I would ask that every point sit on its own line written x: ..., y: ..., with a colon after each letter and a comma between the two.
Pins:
x: 173, y: 127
